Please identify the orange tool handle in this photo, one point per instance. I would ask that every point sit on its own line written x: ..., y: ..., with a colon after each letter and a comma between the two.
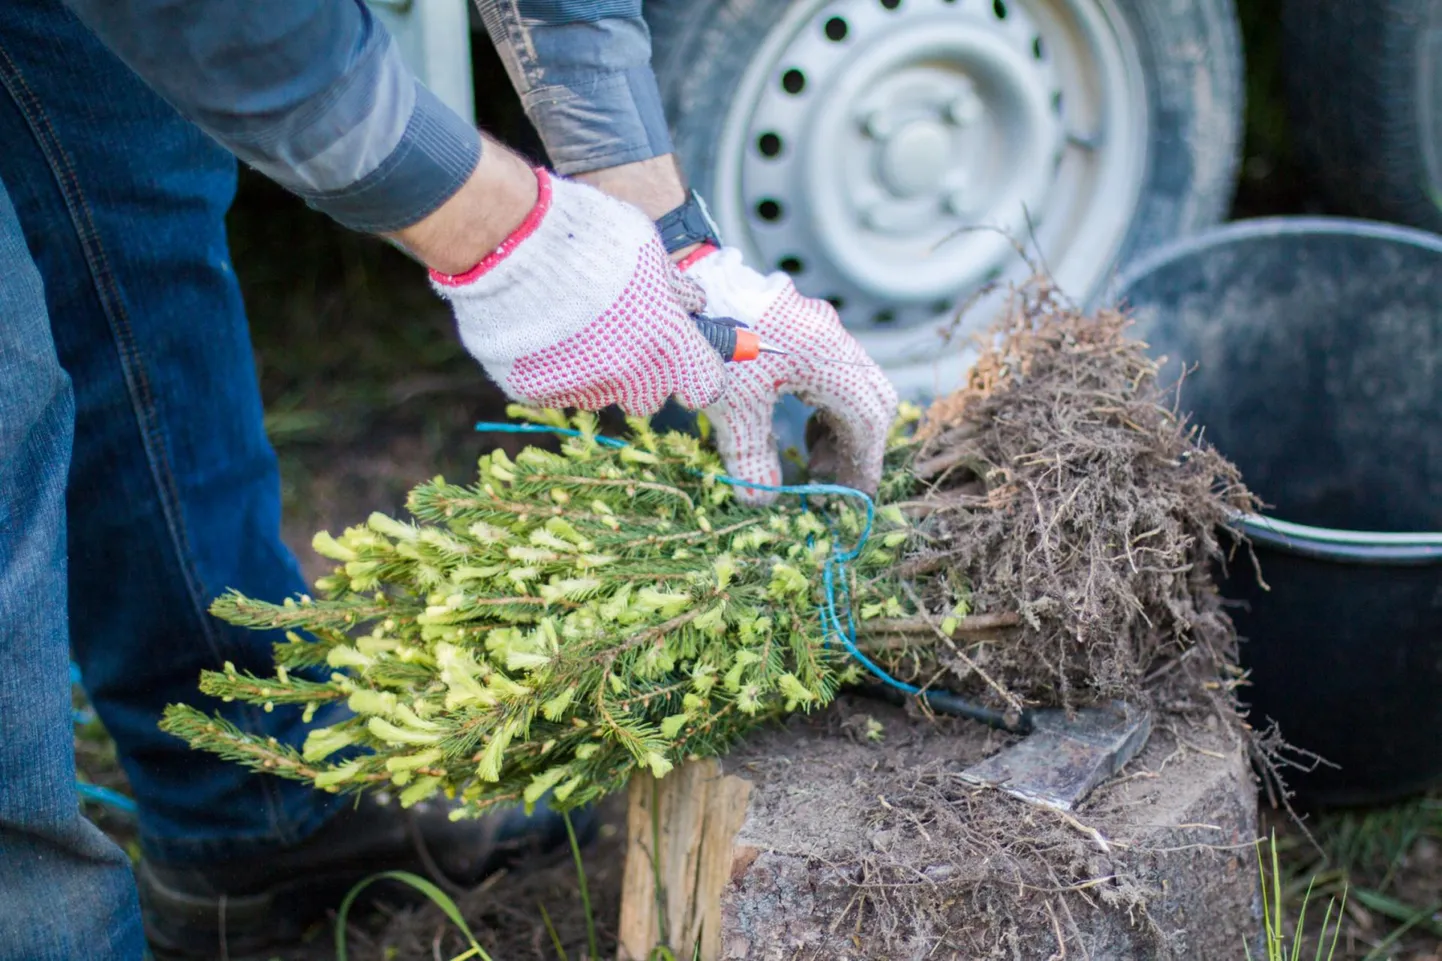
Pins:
x: 732, y: 339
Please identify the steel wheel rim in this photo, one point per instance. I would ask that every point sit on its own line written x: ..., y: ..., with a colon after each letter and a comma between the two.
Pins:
x: 867, y: 137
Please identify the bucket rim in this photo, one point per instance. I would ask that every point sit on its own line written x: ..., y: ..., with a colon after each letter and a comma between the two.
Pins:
x: 1389, y: 548
x: 1255, y: 227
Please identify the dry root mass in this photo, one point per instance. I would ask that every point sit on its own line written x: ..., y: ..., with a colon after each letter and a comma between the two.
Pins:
x: 1060, y: 490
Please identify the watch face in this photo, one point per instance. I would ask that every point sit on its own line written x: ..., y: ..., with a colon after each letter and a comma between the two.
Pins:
x: 714, y: 232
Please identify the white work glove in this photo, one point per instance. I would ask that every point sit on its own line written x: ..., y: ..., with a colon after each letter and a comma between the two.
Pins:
x: 825, y: 368
x: 582, y: 307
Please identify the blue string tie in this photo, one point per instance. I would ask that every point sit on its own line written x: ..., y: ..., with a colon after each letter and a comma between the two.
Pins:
x: 105, y: 796
x: 95, y: 792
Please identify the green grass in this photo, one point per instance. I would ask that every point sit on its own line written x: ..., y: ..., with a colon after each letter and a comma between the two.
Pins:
x: 435, y: 894
x: 1373, y: 856
x: 453, y: 913
x: 1281, y: 941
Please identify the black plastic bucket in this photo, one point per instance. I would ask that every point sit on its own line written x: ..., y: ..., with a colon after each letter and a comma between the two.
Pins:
x: 1314, y: 356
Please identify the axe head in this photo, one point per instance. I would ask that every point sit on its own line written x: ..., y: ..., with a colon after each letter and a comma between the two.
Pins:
x: 1063, y: 759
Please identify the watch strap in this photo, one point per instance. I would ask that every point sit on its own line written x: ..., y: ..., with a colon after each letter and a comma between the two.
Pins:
x: 688, y: 224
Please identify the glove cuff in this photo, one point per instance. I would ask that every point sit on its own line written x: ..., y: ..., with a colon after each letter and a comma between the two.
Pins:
x: 516, y: 238
x: 695, y: 256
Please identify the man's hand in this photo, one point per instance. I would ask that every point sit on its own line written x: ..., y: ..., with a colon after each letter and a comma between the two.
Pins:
x: 581, y: 307
x: 825, y: 368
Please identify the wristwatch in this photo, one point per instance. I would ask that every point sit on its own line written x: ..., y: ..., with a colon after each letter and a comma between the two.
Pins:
x: 688, y: 224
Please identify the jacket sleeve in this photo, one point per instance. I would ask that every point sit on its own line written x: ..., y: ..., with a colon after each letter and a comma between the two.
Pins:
x: 311, y: 93
x: 583, y: 70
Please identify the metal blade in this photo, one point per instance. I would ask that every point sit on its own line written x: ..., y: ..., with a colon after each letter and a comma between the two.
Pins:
x: 1063, y: 759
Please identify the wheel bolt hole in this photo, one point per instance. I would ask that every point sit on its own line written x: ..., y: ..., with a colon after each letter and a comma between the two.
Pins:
x: 769, y: 210
x: 836, y: 29
x: 837, y: 302
x: 942, y: 307
x: 998, y: 7
x: 769, y: 144
x: 792, y: 265
x: 1056, y: 102
x: 883, y: 318
x: 1037, y: 50
x: 793, y: 81
x: 891, y: 4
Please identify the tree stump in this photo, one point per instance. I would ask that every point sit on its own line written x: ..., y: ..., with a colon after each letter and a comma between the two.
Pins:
x: 828, y: 838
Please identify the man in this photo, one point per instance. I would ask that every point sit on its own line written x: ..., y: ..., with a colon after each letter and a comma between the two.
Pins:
x: 125, y: 367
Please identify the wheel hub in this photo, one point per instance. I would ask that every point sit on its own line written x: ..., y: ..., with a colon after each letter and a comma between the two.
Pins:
x: 915, y: 159
x: 891, y: 153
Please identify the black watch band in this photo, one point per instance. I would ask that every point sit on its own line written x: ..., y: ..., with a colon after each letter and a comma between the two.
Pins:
x: 688, y: 224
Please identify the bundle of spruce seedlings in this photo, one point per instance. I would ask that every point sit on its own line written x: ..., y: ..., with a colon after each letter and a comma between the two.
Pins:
x: 1043, y: 536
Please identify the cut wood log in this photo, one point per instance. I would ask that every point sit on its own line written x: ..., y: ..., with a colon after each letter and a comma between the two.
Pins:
x: 822, y: 839
x: 680, y: 836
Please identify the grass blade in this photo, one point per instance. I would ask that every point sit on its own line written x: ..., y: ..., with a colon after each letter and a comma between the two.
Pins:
x: 1267, y: 938
x: 1336, y: 930
x: 551, y: 930
x: 1302, y: 924
x: 1390, y: 907
x: 1380, y: 951
x: 439, y: 897
x: 662, y: 919
x: 592, y: 942
x: 1277, y: 899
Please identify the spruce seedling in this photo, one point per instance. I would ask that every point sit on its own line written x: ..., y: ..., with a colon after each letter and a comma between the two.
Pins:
x: 568, y: 619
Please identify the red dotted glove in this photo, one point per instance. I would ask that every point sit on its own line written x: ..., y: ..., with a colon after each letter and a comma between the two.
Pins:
x: 582, y: 307
x: 855, y: 399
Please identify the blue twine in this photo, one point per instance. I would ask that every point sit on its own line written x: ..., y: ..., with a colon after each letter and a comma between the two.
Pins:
x: 834, y: 570
x: 105, y: 796
x: 94, y: 792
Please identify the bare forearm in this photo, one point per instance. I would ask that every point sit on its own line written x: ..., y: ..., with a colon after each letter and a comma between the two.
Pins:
x: 654, y: 185
x: 490, y: 205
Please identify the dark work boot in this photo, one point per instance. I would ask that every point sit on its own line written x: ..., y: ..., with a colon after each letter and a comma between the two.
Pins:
x: 233, y: 909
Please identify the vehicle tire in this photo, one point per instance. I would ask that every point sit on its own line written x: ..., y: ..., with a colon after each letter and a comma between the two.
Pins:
x: 1364, y: 90
x: 852, y: 142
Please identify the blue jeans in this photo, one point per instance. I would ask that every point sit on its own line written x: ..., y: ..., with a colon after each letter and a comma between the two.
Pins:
x: 121, y: 327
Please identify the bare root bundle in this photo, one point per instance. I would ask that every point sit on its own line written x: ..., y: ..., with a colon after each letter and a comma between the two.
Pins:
x: 1060, y: 488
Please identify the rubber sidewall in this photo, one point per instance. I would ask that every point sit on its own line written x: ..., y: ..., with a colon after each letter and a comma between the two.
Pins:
x: 1360, y: 121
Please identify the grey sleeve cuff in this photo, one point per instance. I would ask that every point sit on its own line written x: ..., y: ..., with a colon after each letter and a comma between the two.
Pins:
x: 436, y: 153
x: 586, y: 85
x: 604, y: 122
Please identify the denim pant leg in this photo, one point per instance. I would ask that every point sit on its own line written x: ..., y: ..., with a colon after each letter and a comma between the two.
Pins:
x: 174, y: 494
x: 65, y: 889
